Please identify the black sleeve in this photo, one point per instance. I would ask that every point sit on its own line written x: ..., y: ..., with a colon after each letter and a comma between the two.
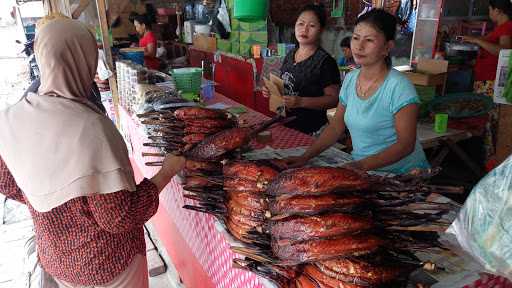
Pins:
x: 330, y: 72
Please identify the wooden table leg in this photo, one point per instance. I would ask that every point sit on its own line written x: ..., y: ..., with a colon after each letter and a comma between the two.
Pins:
x: 465, y: 158
x: 438, y: 159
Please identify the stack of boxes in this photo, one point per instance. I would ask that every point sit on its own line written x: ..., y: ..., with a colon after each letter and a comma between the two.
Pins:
x: 243, y: 35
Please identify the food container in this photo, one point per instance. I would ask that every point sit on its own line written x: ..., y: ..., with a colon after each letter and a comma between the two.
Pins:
x: 264, y: 137
x: 467, y: 51
x: 441, y: 123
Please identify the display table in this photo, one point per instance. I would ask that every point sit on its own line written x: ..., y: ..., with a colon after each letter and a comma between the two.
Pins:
x: 198, y: 249
x: 199, y: 252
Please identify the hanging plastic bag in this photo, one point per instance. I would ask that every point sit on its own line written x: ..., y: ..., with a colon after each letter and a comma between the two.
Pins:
x: 223, y: 16
x: 483, y: 227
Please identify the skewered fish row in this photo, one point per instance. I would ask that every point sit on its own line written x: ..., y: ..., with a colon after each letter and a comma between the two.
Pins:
x: 316, y: 181
x: 282, y: 207
x: 215, y: 147
x: 244, y: 203
x: 293, y: 253
x: 178, y: 131
x: 321, y: 221
x: 245, y: 184
x: 319, y: 226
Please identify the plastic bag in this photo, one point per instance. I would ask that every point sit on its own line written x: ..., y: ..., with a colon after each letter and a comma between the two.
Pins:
x: 483, y: 227
x: 223, y: 16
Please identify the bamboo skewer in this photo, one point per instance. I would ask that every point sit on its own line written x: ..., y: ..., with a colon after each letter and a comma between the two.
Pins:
x: 161, y: 145
x: 150, y: 154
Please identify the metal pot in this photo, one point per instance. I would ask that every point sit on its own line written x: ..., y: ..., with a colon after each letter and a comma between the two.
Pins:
x: 461, y: 50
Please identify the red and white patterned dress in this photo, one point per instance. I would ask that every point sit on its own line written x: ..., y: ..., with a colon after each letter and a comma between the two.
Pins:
x: 89, y: 240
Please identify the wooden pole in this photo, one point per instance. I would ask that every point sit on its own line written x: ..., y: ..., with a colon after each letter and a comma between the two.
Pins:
x: 105, y: 37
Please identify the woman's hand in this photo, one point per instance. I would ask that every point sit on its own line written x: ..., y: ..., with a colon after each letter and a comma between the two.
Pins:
x: 171, y: 166
x: 265, y: 92
x: 471, y: 39
x: 296, y: 161
x: 292, y: 101
x: 354, y: 165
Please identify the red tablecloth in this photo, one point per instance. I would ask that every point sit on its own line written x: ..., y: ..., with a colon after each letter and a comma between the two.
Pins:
x: 199, y: 252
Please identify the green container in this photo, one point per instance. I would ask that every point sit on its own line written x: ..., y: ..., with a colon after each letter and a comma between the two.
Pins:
x: 230, y: 4
x: 98, y: 35
x: 257, y: 26
x: 441, y: 123
x: 245, y: 37
x: 245, y: 50
x: 259, y: 38
x: 235, y: 48
x: 188, y: 80
x: 426, y: 95
x: 281, y: 49
x: 234, y: 36
x: 235, y: 25
x: 251, y: 10
x: 224, y: 45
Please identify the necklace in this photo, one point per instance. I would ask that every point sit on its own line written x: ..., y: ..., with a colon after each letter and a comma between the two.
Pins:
x: 364, y: 92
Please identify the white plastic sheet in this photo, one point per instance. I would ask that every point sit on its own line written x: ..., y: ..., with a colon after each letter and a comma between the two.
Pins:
x: 483, y: 227
x: 223, y: 16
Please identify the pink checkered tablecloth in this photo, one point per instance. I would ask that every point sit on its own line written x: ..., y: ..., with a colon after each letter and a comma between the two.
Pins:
x: 209, y: 246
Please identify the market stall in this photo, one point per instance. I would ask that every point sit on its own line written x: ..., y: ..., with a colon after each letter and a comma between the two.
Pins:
x: 198, y: 245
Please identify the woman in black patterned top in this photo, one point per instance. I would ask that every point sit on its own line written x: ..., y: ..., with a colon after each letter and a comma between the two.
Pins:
x: 311, y: 76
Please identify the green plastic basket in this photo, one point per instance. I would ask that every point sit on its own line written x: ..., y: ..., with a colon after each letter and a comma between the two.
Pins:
x: 251, y: 10
x: 188, y: 80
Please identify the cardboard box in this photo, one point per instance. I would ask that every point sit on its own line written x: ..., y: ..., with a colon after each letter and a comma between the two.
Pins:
x: 205, y: 43
x: 125, y: 28
x: 429, y: 73
x: 275, y: 85
x: 502, y: 76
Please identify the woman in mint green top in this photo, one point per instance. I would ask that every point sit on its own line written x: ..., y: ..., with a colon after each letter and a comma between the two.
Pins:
x: 378, y: 105
x: 371, y: 121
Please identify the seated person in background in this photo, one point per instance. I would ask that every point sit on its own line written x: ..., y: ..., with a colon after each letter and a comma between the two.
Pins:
x: 310, y: 75
x: 148, y: 39
x: 347, y: 59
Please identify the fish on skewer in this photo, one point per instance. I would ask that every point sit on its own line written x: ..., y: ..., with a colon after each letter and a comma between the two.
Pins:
x: 316, y: 181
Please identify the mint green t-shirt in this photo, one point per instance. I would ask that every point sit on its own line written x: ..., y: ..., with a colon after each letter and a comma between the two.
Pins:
x: 371, y: 122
